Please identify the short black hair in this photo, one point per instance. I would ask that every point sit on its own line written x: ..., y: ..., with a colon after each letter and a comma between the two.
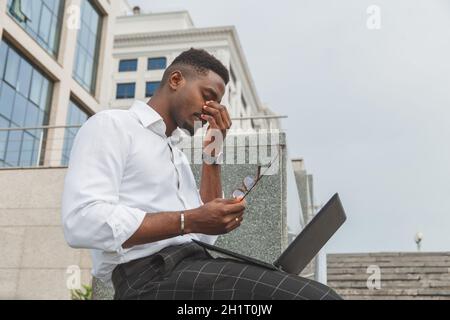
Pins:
x: 201, y: 61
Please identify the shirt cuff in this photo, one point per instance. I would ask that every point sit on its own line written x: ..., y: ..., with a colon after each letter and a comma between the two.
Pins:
x: 208, y: 238
x: 124, y: 222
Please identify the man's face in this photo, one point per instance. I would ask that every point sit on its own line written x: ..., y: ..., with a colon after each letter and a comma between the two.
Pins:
x: 192, y: 95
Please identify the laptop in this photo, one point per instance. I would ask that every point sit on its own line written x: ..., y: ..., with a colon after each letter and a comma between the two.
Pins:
x: 305, y: 246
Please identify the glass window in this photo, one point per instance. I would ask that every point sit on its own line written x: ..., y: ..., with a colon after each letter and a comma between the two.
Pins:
x: 46, y: 23
x: 157, y: 63
x: 33, y: 22
x: 24, y: 78
x: 75, y: 116
x: 27, y: 150
x: 12, y: 66
x: 25, y: 105
x: 7, y: 95
x: 151, y: 88
x: 3, y: 50
x: 89, y: 36
x: 125, y: 90
x: 41, y: 19
x: 13, y: 147
x: 128, y: 65
x: 88, y: 69
x: 36, y: 151
x: 32, y: 117
x: 45, y: 94
x: 19, y: 111
x: 36, y: 87
x: 3, y: 137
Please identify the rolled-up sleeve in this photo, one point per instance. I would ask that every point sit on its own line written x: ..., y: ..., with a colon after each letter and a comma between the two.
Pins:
x: 92, y: 215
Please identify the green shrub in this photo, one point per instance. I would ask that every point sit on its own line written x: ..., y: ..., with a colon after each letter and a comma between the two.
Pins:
x: 79, y: 294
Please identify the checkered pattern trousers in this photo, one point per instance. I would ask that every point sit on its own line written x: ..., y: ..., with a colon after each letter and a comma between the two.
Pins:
x: 189, y: 272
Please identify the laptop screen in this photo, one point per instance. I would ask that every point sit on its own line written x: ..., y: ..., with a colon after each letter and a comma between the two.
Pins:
x: 313, y: 237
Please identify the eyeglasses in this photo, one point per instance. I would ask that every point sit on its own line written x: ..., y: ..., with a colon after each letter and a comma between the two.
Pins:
x: 249, y: 182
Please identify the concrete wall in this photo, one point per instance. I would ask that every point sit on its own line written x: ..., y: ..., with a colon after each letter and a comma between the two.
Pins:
x: 154, y: 22
x: 34, y: 254
x: 263, y: 234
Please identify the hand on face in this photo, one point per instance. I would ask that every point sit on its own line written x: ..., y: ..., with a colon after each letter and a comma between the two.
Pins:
x: 219, y: 120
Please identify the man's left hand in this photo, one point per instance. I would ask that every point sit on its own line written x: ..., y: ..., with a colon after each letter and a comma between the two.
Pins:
x: 219, y: 119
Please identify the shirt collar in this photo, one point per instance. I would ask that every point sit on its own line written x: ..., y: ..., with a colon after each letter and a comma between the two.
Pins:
x: 149, y: 118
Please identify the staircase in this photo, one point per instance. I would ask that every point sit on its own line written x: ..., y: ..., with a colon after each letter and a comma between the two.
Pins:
x: 390, y: 275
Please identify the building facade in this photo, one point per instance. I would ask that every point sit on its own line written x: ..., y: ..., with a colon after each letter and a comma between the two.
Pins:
x: 54, y: 57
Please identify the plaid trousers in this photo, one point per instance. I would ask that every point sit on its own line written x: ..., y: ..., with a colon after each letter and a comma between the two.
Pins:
x: 189, y: 272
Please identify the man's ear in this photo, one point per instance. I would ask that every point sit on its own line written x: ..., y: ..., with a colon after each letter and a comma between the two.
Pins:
x: 176, y: 80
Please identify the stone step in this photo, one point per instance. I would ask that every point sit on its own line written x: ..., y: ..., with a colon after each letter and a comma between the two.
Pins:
x: 395, y: 292
x: 388, y: 284
x: 409, y: 270
x: 332, y: 259
x: 400, y: 276
x: 388, y: 254
x: 363, y: 297
x: 364, y: 277
x: 394, y: 263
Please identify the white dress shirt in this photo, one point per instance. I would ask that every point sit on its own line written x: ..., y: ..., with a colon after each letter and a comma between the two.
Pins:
x: 123, y: 166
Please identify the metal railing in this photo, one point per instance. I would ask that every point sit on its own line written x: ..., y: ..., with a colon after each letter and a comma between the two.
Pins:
x: 36, y: 147
x: 49, y: 146
x: 40, y: 128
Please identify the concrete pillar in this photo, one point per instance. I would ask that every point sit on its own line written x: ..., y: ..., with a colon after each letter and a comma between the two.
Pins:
x: 2, y: 15
x: 105, y: 71
x: 305, y: 188
x: 263, y: 235
x: 66, y: 87
x: 61, y: 89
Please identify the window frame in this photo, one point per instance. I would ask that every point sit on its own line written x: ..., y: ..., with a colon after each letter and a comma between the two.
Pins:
x: 128, y: 61
x: 81, y: 49
x: 35, y: 34
x: 147, y: 95
x: 124, y: 97
x: 149, y: 60
x: 40, y: 116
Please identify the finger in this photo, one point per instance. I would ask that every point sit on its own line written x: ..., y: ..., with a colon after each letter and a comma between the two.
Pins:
x: 235, y: 207
x: 216, y: 114
x: 234, y: 201
x: 212, y: 122
x: 226, y: 117
x: 228, y: 201
x: 223, y: 111
x: 234, y: 223
x: 241, y: 200
x: 235, y: 217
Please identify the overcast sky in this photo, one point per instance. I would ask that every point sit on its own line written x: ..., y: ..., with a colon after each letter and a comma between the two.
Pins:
x: 369, y: 110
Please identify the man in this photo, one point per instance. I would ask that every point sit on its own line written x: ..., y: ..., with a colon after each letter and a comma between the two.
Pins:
x: 131, y: 197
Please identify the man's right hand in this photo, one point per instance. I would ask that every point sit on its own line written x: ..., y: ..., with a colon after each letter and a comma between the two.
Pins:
x: 217, y: 217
